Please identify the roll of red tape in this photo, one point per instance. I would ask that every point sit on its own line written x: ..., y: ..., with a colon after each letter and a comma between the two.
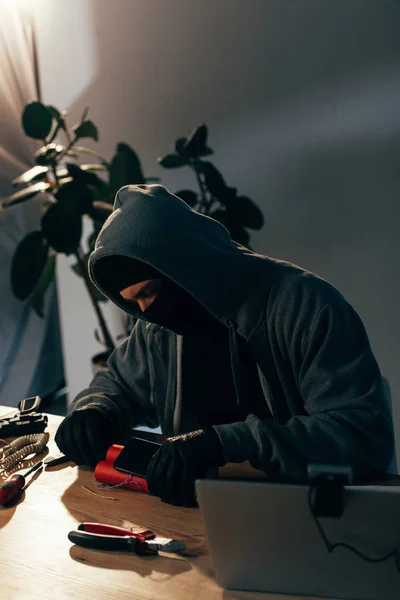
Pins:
x: 105, y: 473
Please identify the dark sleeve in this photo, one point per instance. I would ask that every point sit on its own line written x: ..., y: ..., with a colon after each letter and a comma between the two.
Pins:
x: 348, y: 420
x: 124, y: 387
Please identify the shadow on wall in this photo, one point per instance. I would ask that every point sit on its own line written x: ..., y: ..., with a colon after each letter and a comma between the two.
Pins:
x: 341, y: 200
x: 339, y: 210
x: 178, y: 64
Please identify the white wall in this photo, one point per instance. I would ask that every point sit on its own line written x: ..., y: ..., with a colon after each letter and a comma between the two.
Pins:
x: 302, y: 99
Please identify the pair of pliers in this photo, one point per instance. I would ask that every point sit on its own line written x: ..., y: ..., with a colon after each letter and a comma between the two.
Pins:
x: 109, y: 537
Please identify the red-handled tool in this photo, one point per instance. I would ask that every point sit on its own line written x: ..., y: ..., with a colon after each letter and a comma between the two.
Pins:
x: 12, y: 486
x: 108, y: 537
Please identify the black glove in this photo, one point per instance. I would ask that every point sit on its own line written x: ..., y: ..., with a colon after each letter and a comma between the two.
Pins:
x: 86, y: 434
x: 179, y: 462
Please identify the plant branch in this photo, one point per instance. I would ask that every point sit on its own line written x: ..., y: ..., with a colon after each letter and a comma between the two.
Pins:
x: 203, y: 189
x: 53, y: 168
x: 68, y: 147
x: 213, y: 203
x: 57, y: 129
x: 103, y: 325
x: 65, y: 128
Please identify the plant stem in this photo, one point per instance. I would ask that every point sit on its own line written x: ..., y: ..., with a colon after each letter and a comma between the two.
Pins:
x: 68, y: 147
x: 203, y: 189
x: 57, y: 129
x: 53, y: 168
x: 65, y: 128
x: 103, y: 325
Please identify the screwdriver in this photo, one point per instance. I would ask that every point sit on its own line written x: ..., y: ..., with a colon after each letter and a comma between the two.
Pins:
x: 12, y: 486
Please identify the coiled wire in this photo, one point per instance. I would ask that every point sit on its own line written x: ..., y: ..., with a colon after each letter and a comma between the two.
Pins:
x: 22, y: 447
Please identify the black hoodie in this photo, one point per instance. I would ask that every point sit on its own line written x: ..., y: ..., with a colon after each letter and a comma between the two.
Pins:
x: 319, y: 378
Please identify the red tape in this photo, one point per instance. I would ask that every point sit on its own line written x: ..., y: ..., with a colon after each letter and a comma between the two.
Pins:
x: 105, y: 472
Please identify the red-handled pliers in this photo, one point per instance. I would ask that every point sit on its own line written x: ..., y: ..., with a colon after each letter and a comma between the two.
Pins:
x: 109, y: 537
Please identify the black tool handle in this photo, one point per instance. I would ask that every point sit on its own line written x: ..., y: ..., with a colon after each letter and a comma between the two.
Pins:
x: 107, y: 542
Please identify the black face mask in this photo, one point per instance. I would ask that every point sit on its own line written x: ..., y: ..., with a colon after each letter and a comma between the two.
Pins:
x: 175, y: 309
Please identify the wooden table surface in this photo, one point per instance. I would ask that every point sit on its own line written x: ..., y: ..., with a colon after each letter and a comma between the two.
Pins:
x: 38, y: 561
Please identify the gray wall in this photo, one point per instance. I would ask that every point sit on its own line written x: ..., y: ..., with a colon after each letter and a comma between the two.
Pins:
x: 302, y: 99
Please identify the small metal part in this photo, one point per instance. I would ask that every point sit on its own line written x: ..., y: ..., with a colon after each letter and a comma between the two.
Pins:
x: 57, y: 458
x: 29, y: 405
x: 34, y: 468
x: 165, y: 545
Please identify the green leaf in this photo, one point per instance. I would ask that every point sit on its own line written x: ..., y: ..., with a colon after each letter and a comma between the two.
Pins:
x: 102, y: 193
x: 60, y: 122
x: 86, y: 129
x: 172, y: 161
x: 59, y: 117
x: 220, y: 215
x: 213, y: 179
x: 227, y: 195
x: 241, y: 236
x: 46, y: 204
x: 63, y: 180
x: 196, y: 141
x: 179, y: 146
x: 36, y: 120
x: 237, y: 232
x: 26, y: 193
x: 48, y: 155
x: 75, y: 198
x: 93, y: 168
x: 125, y: 168
x: 207, y: 151
x: 90, y: 152
x: 34, y: 174
x: 54, y: 112
x: 86, y: 168
x: 62, y: 230
x: 100, y: 211
x: 28, y: 263
x: 37, y: 298
x: 83, y: 176
x: 191, y: 198
x: 246, y: 213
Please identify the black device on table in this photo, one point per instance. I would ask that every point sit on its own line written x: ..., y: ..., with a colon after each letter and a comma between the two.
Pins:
x: 135, y: 456
x: 25, y: 420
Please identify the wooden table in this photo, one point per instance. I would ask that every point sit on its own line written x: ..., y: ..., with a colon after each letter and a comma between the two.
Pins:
x: 38, y: 561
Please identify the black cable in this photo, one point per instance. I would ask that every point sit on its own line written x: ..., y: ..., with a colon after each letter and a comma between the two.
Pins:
x: 331, y: 547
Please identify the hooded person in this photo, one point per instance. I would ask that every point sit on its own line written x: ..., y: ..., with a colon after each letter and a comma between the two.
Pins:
x: 237, y: 356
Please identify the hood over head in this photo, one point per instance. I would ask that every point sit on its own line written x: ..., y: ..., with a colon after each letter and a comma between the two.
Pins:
x: 115, y: 273
x: 167, y: 237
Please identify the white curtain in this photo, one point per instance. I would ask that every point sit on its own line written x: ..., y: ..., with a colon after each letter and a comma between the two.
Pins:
x: 30, y: 348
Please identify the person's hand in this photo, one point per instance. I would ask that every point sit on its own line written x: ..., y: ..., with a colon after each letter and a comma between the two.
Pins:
x: 179, y: 462
x: 85, y: 435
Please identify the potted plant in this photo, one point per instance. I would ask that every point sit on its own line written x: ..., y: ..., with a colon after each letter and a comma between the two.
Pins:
x: 71, y: 192
x: 215, y: 198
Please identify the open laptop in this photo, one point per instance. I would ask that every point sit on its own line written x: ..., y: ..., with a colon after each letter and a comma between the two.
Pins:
x: 263, y: 537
